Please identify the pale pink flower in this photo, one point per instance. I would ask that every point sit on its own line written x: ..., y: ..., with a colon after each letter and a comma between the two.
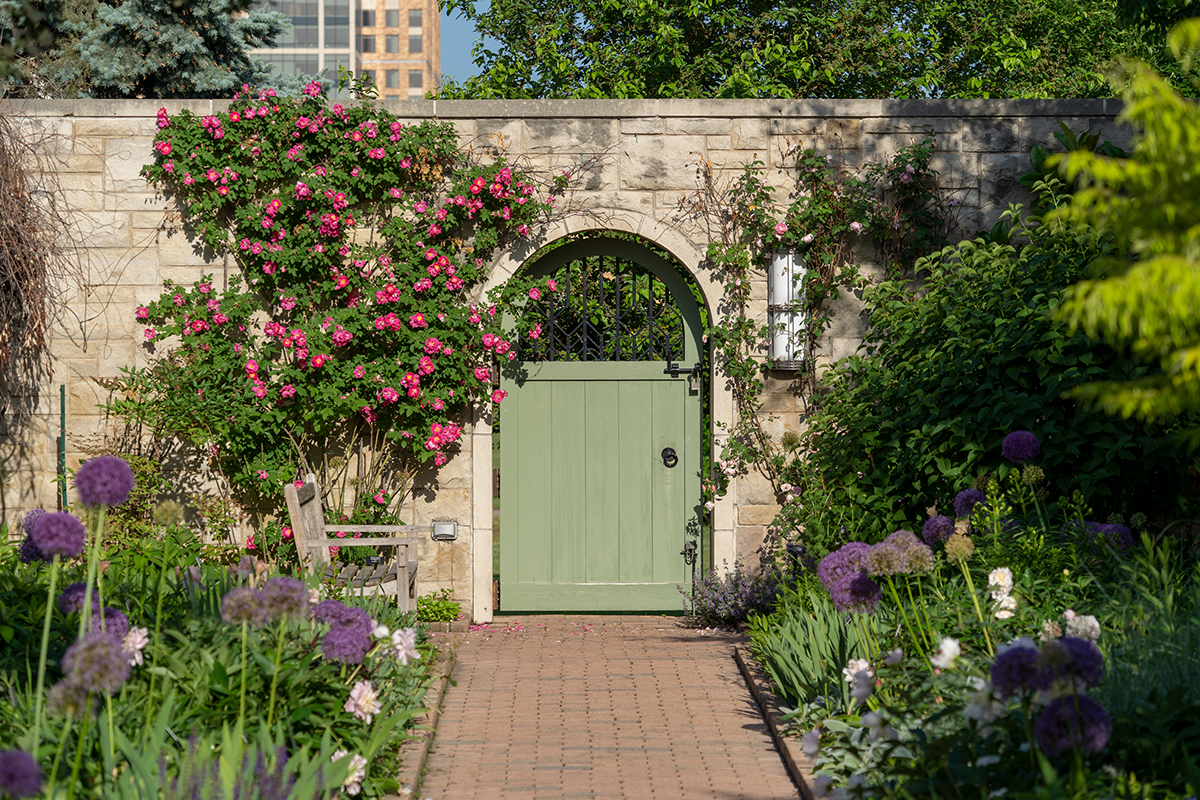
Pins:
x: 404, y: 645
x: 363, y: 701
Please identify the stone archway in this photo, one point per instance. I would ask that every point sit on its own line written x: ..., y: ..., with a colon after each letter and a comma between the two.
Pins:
x: 686, y: 252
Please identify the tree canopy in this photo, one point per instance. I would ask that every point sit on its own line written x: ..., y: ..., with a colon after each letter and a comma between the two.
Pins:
x: 135, y: 48
x: 802, y: 48
x: 1145, y: 302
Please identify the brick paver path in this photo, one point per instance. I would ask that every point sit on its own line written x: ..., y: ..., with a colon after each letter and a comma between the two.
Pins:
x: 600, y: 707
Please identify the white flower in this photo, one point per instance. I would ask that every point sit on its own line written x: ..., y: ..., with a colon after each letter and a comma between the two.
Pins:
x: 1001, y: 582
x: 381, y: 631
x: 1085, y: 627
x: 1004, y: 609
x: 857, y: 227
x: 404, y: 645
x: 363, y: 701
x: 357, y: 774
x: 785, y: 487
x: 894, y: 657
x: 314, y: 596
x: 812, y: 742
x: 987, y: 761
x: 1068, y: 615
x: 984, y: 707
x: 855, y: 666
x: 132, y: 645
x: 948, y: 652
x: 863, y: 685
x: 807, y: 238
x: 710, y: 505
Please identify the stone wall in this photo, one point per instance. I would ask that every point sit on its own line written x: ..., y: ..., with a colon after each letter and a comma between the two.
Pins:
x: 640, y: 158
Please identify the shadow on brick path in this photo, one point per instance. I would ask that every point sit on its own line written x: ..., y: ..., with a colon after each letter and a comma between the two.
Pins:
x: 601, y: 707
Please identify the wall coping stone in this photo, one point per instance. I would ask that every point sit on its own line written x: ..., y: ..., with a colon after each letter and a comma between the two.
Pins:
x: 610, y: 109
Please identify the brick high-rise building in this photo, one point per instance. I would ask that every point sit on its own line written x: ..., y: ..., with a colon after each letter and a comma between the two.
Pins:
x: 396, y: 42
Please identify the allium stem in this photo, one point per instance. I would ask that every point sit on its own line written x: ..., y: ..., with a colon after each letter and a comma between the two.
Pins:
x: 922, y: 616
x: 891, y: 584
x: 62, y: 746
x: 987, y: 637
x: 41, y: 678
x: 242, y: 698
x: 275, y: 674
x: 87, y: 728
x: 162, y: 574
x: 92, y: 574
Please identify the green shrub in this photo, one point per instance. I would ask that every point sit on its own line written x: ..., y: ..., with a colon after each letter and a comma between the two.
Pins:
x: 438, y: 607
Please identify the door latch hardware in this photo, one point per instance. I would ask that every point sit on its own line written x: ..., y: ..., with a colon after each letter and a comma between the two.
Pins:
x: 689, y: 553
x: 669, y: 457
x: 674, y: 369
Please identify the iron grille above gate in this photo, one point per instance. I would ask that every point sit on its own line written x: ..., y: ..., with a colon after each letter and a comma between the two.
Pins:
x: 605, y: 308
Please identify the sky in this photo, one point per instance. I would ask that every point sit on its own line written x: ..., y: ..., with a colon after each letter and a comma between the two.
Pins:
x: 458, y: 37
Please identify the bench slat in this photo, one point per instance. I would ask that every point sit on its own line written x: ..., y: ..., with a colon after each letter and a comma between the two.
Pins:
x: 330, y: 526
x: 375, y: 542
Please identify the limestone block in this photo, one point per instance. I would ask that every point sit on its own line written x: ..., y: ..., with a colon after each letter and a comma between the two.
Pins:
x: 955, y: 170
x: 749, y: 134
x: 636, y: 125
x: 1112, y: 131
x: 847, y: 317
x: 465, y: 128
x: 133, y: 201
x: 176, y: 249
x: 103, y: 229
x: 506, y: 134
x: 599, y: 205
x: 756, y: 514
x: 796, y: 127
x: 76, y: 162
x: 662, y: 163
x: 569, y: 135
x: 754, y: 490
x: 717, y: 143
x: 778, y: 402
x: 707, y: 126
x: 82, y: 191
x: 149, y: 220
x: 748, y: 542
x: 843, y: 134
x: 998, y: 175
x: 108, y: 126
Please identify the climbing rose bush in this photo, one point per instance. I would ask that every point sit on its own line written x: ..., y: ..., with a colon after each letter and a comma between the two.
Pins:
x: 359, y: 239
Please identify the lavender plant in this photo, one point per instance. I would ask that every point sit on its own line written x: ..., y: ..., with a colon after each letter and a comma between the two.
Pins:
x: 727, y: 600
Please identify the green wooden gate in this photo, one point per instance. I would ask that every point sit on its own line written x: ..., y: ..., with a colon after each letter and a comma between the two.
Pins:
x: 596, y: 512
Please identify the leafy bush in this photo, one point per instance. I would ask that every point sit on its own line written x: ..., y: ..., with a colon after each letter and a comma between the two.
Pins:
x: 728, y: 600
x: 952, y: 366
x: 438, y: 607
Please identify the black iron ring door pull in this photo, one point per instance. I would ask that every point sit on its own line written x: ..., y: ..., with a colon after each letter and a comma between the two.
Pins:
x: 669, y: 458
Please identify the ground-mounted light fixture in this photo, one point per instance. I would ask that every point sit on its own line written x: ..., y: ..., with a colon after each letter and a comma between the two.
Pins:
x: 445, y: 531
x: 785, y: 287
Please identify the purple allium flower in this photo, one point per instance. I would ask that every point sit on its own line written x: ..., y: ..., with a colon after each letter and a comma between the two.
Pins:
x: 243, y: 604
x: 71, y: 599
x: 862, y: 596
x: 20, y: 774
x: 329, y: 611
x: 843, y: 564
x: 31, y: 518
x: 345, y: 644
x: 284, y: 597
x: 1017, y: 670
x: 1020, y: 446
x: 1115, y: 535
x: 104, y: 481
x: 58, y: 534
x: 915, y: 557
x: 937, y: 529
x: 339, y: 615
x: 28, y: 552
x: 965, y: 502
x: 1073, y: 722
x: 1075, y: 659
x: 98, y: 662
x: 68, y: 699
x: 115, y: 622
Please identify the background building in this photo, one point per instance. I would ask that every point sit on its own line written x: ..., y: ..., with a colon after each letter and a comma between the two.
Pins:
x: 396, y: 42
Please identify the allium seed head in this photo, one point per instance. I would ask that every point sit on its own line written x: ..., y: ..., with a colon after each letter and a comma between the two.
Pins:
x: 104, y: 481
x: 1073, y: 722
x: 98, y: 662
x: 58, y: 534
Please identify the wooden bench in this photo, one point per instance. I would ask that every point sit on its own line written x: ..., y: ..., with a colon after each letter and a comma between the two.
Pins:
x: 312, y: 545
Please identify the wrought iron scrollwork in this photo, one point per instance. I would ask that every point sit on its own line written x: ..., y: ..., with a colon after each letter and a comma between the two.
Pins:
x: 605, y: 309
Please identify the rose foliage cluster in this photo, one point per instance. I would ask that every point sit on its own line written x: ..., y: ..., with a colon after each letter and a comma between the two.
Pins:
x: 359, y: 239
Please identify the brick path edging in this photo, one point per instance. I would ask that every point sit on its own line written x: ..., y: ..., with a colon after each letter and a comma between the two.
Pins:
x: 798, y: 765
x: 415, y: 752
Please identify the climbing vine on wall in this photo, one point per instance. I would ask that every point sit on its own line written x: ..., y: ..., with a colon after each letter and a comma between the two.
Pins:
x: 831, y: 213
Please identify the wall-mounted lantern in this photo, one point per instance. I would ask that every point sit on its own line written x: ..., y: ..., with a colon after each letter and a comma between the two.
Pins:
x: 445, y: 531
x: 785, y: 287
